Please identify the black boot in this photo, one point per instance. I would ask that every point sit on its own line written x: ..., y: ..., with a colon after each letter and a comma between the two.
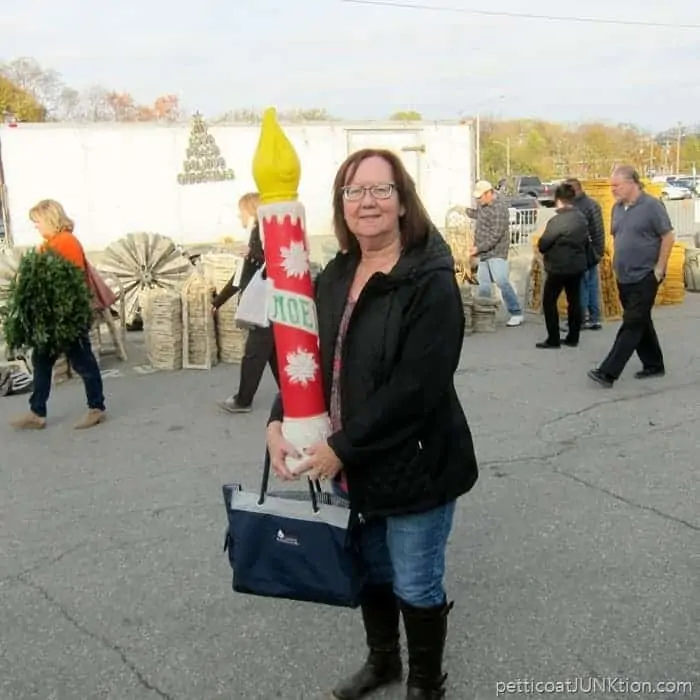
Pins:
x: 380, y: 613
x: 426, y: 631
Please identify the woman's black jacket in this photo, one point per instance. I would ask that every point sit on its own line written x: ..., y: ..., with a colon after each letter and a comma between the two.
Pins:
x: 564, y: 243
x: 405, y: 444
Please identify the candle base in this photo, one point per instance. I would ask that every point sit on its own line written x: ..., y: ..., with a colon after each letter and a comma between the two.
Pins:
x: 302, y: 433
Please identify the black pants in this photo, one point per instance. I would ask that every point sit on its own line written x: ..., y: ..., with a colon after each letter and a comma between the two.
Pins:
x: 82, y: 360
x: 637, y: 331
x: 259, y: 351
x: 553, y: 286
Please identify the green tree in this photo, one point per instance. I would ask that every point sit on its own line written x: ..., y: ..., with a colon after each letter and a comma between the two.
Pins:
x: 690, y: 153
x: 19, y: 103
x: 407, y: 115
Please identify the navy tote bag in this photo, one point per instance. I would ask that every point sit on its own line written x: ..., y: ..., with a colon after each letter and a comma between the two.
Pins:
x: 298, y: 545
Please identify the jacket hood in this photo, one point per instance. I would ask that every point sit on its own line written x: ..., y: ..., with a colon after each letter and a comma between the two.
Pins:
x: 432, y: 255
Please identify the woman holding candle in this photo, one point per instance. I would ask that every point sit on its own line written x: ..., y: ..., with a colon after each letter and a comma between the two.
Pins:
x: 391, y: 327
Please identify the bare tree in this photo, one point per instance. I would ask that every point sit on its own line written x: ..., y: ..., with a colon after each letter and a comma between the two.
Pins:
x: 240, y: 116
x: 45, y: 85
x: 295, y: 116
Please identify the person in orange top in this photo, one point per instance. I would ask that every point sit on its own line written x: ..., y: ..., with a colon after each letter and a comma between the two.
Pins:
x: 54, y: 226
x: 63, y: 243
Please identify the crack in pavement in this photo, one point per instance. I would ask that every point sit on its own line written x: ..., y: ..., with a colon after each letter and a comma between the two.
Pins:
x: 42, y: 563
x: 617, y: 399
x: 111, y: 646
x: 627, y: 501
x: 569, y: 446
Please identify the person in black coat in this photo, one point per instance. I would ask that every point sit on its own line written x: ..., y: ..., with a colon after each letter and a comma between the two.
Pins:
x: 391, y: 328
x: 564, y: 245
x: 590, y: 284
x: 259, y: 348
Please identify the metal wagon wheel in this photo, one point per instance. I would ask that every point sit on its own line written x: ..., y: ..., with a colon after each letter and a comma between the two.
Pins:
x: 142, y: 261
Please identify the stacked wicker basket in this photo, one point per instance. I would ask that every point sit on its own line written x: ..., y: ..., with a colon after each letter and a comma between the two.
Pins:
x: 691, y: 269
x: 218, y: 268
x: 179, y: 327
x: 468, y: 305
x: 672, y: 289
x: 199, y: 348
x: 459, y: 233
x: 162, y: 311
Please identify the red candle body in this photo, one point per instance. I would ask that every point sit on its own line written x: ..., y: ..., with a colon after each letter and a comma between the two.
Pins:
x: 293, y: 310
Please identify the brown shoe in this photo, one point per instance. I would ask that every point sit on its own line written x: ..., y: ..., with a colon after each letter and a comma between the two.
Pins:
x: 92, y: 418
x: 29, y: 421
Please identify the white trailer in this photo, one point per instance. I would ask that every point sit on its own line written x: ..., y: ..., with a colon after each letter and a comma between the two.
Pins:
x: 115, y: 179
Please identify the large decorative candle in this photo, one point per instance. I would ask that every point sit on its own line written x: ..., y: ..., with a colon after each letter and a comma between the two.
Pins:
x: 277, y: 172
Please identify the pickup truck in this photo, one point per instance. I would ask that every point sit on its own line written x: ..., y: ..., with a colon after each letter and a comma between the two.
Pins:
x: 527, y: 186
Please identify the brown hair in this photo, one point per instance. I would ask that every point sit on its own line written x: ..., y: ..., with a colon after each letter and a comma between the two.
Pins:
x: 414, y: 224
x: 250, y: 201
x: 53, y: 214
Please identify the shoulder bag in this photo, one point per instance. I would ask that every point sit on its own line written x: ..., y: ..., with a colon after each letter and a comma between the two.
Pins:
x: 296, y: 545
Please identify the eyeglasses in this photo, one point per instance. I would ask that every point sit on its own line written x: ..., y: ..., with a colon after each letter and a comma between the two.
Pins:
x: 354, y: 193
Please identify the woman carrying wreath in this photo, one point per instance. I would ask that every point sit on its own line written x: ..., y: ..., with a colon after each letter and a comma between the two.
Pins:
x: 54, y: 226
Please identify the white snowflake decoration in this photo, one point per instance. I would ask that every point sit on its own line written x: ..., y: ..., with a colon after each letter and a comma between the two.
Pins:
x: 295, y: 259
x: 301, y: 367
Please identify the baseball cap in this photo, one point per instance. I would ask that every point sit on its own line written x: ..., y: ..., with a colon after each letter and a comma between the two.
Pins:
x: 481, y: 188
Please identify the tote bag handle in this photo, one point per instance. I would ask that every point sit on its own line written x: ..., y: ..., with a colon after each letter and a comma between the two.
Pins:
x: 314, y: 485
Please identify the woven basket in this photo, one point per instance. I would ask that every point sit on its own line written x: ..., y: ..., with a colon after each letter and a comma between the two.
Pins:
x: 162, y: 326
x: 691, y: 269
x: 484, y: 315
x: 672, y: 289
x: 459, y: 232
x: 218, y: 268
x: 468, y: 306
x: 199, y: 349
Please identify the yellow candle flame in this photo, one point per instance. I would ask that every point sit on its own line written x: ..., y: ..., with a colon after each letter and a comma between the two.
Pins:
x: 276, y: 166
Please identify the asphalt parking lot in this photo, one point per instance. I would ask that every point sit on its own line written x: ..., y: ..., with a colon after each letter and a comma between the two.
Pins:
x: 575, y: 556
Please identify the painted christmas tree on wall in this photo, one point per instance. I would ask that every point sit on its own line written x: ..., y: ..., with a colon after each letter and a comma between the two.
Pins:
x: 204, y: 162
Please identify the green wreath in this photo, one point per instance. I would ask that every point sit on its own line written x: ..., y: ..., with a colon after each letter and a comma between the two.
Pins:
x: 48, y: 305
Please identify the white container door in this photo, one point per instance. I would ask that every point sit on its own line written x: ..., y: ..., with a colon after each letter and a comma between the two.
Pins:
x: 406, y: 143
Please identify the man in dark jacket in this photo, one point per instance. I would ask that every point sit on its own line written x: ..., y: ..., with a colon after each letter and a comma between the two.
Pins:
x: 260, y: 343
x: 590, y: 285
x: 563, y: 246
x: 492, y: 245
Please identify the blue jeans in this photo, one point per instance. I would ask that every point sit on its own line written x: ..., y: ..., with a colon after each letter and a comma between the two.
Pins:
x: 408, y: 551
x: 590, y: 295
x: 82, y: 360
x: 495, y: 271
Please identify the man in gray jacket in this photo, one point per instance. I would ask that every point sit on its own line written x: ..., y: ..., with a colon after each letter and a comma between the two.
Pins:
x: 492, y: 243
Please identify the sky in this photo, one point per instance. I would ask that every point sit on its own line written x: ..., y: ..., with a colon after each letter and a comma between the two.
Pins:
x: 365, y: 62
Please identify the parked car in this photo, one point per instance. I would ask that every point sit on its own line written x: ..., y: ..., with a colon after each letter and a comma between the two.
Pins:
x: 528, y: 186
x: 690, y: 183
x: 672, y: 191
